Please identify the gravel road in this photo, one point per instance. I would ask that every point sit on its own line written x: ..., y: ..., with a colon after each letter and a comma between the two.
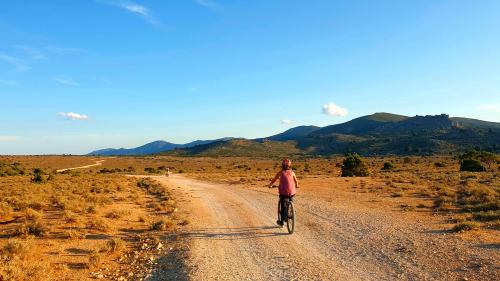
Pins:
x: 233, y: 236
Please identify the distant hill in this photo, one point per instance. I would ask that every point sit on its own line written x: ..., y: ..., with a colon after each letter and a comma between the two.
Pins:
x: 383, y: 133
x: 151, y: 148
x: 360, y: 125
x: 240, y: 147
x: 292, y: 134
x: 377, y: 134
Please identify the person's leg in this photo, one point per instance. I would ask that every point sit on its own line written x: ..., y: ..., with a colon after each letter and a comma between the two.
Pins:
x: 280, y: 215
x: 284, y: 208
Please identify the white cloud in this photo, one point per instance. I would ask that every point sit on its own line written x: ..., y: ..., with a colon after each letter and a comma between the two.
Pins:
x: 207, y: 3
x: 490, y: 107
x: 286, y: 121
x: 66, y: 81
x: 18, y: 65
x: 9, y: 138
x: 334, y: 110
x: 132, y: 7
x: 138, y: 9
x: 73, y: 116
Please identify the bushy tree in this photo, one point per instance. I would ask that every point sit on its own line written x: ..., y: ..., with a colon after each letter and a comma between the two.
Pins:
x: 354, y: 166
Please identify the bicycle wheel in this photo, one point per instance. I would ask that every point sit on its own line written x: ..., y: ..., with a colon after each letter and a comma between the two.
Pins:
x: 290, y: 222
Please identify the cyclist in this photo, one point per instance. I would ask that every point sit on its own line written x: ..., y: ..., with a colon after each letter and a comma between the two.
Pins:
x: 288, y: 184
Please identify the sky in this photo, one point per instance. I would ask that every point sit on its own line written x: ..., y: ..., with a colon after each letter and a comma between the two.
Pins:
x: 81, y: 75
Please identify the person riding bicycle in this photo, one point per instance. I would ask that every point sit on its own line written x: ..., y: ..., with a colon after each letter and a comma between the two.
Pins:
x: 287, y: 186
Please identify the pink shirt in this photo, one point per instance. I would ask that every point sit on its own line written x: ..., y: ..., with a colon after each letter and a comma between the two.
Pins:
x: 287, y: 184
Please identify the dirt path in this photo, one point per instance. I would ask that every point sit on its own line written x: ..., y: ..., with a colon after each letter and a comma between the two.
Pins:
x: 97, y: 163
x: 233, y: 236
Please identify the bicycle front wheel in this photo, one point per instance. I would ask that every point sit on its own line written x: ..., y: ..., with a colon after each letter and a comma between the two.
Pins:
x: 290, y: 222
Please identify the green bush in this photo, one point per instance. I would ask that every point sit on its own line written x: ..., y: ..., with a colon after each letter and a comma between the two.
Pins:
x: 37, y: 175
x: 354, y: 166
x: 388, y: 166
x: 471, y: 165
x: 482, y: 160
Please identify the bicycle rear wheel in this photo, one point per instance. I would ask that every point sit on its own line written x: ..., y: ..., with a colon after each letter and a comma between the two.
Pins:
x: 290, y: 222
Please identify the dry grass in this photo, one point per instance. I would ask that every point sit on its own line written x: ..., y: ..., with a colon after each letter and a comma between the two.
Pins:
x: 70, y: 212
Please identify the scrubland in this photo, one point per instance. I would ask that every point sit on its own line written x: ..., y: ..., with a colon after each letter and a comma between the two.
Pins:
x: 79, y: 224
x: 96, y: 222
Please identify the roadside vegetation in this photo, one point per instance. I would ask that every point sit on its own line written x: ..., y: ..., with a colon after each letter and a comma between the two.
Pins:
x: 77, y: 224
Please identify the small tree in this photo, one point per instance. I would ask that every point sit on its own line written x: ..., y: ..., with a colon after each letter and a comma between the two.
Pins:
x: 354, y: 166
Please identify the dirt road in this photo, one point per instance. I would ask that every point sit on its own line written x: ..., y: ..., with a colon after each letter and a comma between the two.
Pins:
x: 233, y: 236
x: 97, y: 163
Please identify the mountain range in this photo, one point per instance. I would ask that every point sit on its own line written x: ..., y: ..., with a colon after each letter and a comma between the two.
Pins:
x: 376, y: 134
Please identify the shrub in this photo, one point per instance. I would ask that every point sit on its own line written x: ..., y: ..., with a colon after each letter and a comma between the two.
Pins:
x: 73, y: 234
x: 37, y: 175
x: 354, y: 166
x: 407, y: 160
x: 487, y: 216
x: 113, y: 245
x: 388, y: 166
x: 465, y: 226
x: 481, y: 158
x: 70, y: 217
x: 113, y: 215
x: 32, y: 215
x: 162, y: 224
x: 471, y: 165
x: 35, y: 228
x: 94, y: 259
x: 16, y: 248
x: 5, y: 210
x: 98, y: 224
x: 439, y: 164
x: 151, y: 170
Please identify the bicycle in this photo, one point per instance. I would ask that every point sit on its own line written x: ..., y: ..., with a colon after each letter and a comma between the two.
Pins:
x: 289, y: 214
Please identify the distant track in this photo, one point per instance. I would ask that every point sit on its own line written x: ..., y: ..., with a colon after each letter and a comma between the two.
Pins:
x: 97, y: 163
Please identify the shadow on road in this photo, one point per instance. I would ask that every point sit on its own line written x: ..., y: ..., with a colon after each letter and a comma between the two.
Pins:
x: 234, y: 233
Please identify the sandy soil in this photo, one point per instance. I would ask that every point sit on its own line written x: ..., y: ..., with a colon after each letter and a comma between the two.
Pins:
x: 233, y: 236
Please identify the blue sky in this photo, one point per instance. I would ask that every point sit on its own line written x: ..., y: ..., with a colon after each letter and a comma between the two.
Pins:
x: 82, y: 75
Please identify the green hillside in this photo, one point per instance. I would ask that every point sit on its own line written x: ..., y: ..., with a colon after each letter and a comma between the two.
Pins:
x: 240, y: 147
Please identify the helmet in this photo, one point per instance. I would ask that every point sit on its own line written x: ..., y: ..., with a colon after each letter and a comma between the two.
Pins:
x: 286, y: 163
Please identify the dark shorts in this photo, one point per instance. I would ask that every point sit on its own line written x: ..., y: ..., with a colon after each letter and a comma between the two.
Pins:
x: 284, y: 210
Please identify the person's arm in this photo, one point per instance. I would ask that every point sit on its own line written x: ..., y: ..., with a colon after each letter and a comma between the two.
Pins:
x: 274, y: 180
x: 295, y: 180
